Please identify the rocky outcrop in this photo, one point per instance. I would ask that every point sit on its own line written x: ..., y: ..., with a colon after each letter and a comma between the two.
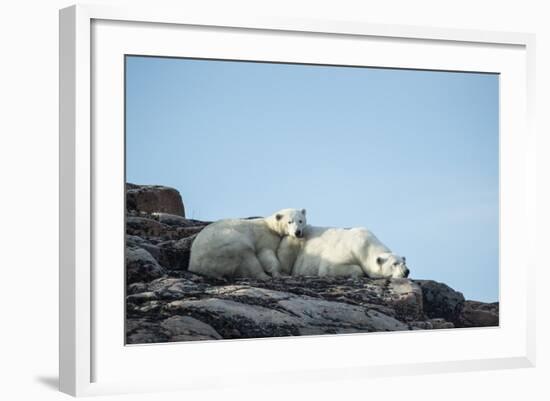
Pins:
x: 441, y: 300
x: 141, y: 266
x: 279, y: 307
x: 153, y: 198
x: 165, y: 302
x: 478, y: 314
x: 164, y: 237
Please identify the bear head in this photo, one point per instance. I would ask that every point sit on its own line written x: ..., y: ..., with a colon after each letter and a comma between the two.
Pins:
x: 290, y: 222
x: 392, y: 265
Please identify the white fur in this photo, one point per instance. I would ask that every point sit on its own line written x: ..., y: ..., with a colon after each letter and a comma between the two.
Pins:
x: 339, y: 252
x: 244, y: 248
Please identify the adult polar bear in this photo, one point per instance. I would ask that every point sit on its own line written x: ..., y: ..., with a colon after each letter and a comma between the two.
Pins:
x: 339, y: 252
x: 245, y: 248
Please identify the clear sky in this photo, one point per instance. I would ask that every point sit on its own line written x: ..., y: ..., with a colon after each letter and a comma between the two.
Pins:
x: 411, y: 155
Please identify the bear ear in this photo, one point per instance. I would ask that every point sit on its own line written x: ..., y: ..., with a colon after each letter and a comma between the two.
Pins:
x: 381, y: 260
x: 304, y: 212
x: 404, y: 259
x: 278, y: 216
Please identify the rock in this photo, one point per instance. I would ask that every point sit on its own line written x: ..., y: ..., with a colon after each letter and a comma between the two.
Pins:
x: 236, y: 320
x: 184, y: 244
x: 169, y: 289
x: 172, y: 257
x: 286, y: 306
x: 406, y: 298
x: 177, y: 221
x: 165, y: 302
x: 440, y: 300
x: 144, y: 227
x: 136, y: 288
x: 316, y: 315
x: 149, y: 309
x: 141, y: 266
x: 479, y: 314
x: 185, y: 328
x: 133, y: 241
x: 175, y: 328
x: 439, y: 323
x: 400, y: 298
x: 154, y: 198
x: 245, y: 312
x: 171, y: 254
x: 184, y: 232
x: 246, y: 309
x: 421, y: 325
x: 170, y: 219
x: 141, y: 297
x: 149, y: 229
x: 143, y: 331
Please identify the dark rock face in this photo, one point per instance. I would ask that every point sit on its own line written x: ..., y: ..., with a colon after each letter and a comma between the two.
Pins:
x: 141, y: 266
x: 440, y: 300
x: 165, y: 302
x: 153, y: 198
x: 478, y: 314
x: 166, y: 237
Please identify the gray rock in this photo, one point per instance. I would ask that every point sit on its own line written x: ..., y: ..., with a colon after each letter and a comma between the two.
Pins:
x: 175, y: 328
x: 150, y: 229
x: 171, y: 254
x: 184, y: 244
x: 154, y: 198
x: 144, y: 227
x: 172, y: 257
x: 431, y: 324
x: 134, y: 241
x: 440, y: 300
x: 439, y: 323
x: 142, y: 308
x: 178, y: 221
x: 175, y: 254
x: 285, y: 306
x: 141, y: 266
x: 421, y: 325
x: 479, y: 314
x: 236, y: 320
x: 399, y: 298
x: 136, y: 288
x: 241, y: 311
x: 143, y: 331
x: 406, y: 298
x: 186, y: 328
x: 169, y: 288
x: 141, y: 297
x: 170, y: 219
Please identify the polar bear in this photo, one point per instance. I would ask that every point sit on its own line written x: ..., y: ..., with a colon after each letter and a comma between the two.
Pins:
x: 325, y: 251
x: 245, y: 248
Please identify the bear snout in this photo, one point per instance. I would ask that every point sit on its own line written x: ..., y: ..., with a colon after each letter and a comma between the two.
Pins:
x: 406, y: 272
x: 299, y: 233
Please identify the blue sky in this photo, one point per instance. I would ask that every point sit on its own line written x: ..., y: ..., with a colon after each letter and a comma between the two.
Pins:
x: 411, y: 155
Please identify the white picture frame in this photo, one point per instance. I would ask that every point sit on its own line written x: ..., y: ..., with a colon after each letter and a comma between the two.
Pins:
x: 92, y: 354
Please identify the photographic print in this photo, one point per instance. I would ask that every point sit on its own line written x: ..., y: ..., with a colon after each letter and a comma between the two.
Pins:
x: 275, y: 199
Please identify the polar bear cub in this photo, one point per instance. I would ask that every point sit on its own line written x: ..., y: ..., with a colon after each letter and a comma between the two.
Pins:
x: 245, y: 248
x: 339, y: 252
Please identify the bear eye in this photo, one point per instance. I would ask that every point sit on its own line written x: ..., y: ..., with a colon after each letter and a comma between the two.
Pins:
x: 290, y: 222
x: 300, y: 221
